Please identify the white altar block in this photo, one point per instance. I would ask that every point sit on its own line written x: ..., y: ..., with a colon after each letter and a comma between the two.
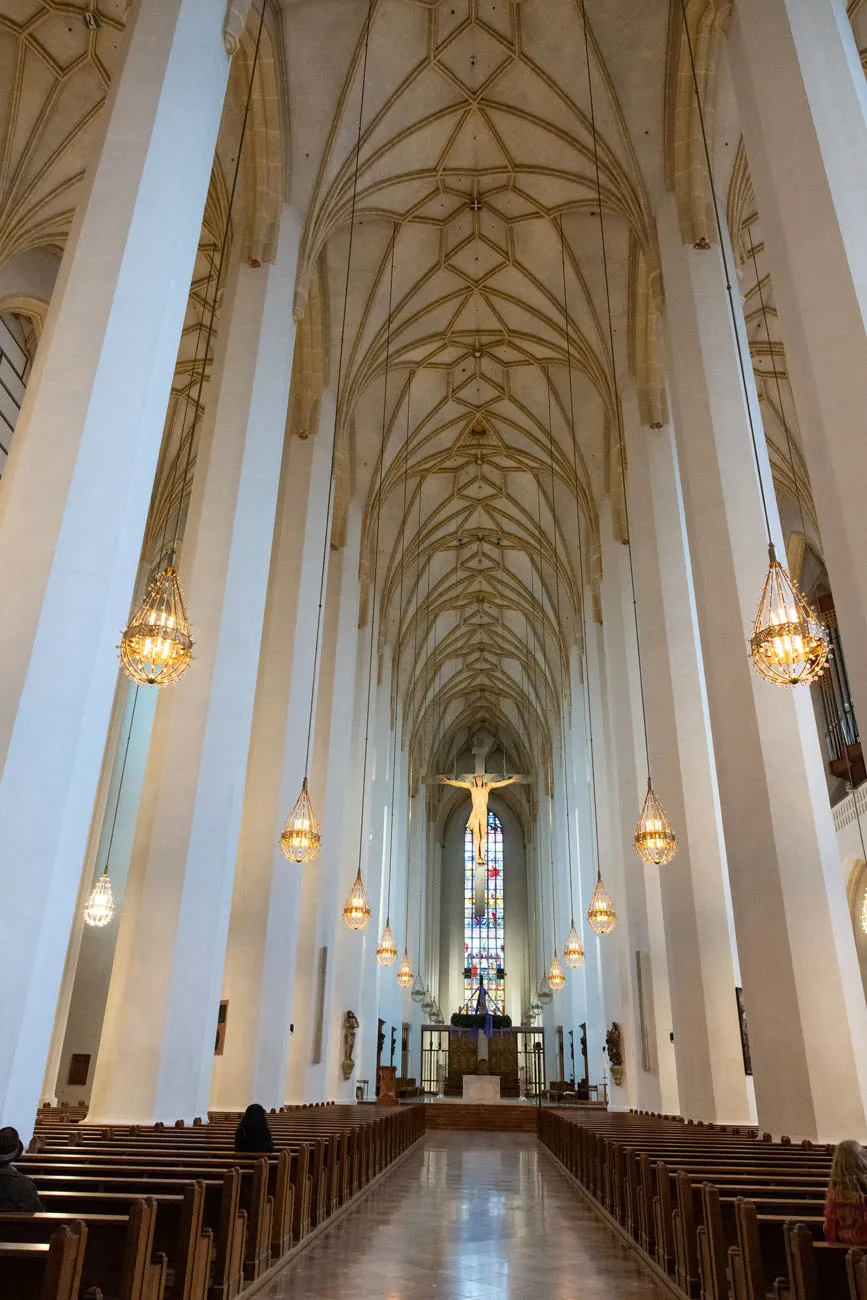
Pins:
x: 481, y: 1087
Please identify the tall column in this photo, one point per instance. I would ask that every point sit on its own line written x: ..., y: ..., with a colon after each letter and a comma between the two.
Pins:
x: 696, y: 905
x: 260, y: 965
x: 335, y: 757
x: 803, y: 102
x: 157, y: 1045
x: 650, y: 1081
x: 807, y: 1017
x: 76, y: 489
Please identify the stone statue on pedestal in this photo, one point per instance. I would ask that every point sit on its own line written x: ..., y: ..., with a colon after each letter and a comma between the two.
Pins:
x: 350, y: 1029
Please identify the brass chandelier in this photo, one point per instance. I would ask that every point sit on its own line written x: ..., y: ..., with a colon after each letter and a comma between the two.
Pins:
x: 156, y: 647
x: 386, y: 950
x: 556, y: 978
x: 601, y: 914
x: 405, y: 976
x: 356, y: 909
x: 573, y: 948
x: 789, y: 645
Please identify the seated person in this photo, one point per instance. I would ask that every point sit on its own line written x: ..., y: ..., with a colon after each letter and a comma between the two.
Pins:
x: 253, y: 1133
x: 846, y: 1199
x: 17, y: 1193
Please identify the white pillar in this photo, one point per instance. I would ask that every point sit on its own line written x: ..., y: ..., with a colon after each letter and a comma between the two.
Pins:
x: 696, y: 905
x: 803, y: 103
x: 76, y: 489
x: 806, y: 1011
x: 157, y: 1045
x: 645, y: 1017
x: 260, y: 965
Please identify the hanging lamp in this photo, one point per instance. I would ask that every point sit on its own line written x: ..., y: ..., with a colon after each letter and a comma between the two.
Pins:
x: 601, y: 914
x: 386, y: 951
x: 556, y: 978
x: 156, y: 647
x: 544, y: 993
x: 300, y: 839
x: 654, y: 839
x: 573, y: 948
x: 647, y: 838
x: 427, y: 1003
x: 326, y: 533
x: 405, y: 976
x: 419, y: 992
x: 99, y: 908
x: 356, y: 909
x: 789, y: 645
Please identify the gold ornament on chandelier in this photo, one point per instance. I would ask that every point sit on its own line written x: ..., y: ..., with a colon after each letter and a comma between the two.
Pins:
x: 789, y: 645
x: 356, y: 909
x: 655, y: 841
x: 573, y: 948
x: 386, y: 952
x: 301, y: 839
x: 156, y: 648
x: 601, y: 914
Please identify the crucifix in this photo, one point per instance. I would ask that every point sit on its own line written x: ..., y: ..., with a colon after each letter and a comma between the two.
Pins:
x: 479, y: 783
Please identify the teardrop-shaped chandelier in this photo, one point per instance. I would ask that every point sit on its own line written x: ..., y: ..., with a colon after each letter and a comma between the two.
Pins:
x: 556, y: 978
x: 156, y: 648
x: 427, y: 1004
x: 573, y: 948
x: 386, y: 952
x: 655, y: 841
x: 356, y: 909
x: 405, y: 976
x: 544, y: 993
x: 300, y: 839
x: 419, y: 992
x: 601, y: 914
x: 789, y: 645
x: 99, y: 908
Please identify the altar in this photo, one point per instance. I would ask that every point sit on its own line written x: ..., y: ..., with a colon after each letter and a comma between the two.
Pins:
x: 481, y: 1088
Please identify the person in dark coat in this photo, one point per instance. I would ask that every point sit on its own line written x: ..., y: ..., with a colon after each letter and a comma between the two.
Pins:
x: 17, y: 1193
x: 253, y: 1133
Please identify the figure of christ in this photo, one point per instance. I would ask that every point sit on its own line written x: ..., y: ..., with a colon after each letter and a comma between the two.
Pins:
x: 477, y: 823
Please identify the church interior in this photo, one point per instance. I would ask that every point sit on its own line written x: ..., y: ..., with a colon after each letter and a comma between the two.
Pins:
x: 438, y: 426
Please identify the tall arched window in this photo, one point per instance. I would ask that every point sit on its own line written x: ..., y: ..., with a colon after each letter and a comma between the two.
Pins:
x: 484, y: 945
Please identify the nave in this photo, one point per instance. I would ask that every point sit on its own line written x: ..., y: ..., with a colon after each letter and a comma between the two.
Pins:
x: 469, y: 1216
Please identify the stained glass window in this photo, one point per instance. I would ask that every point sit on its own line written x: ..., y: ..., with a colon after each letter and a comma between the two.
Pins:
x: 484, y: 950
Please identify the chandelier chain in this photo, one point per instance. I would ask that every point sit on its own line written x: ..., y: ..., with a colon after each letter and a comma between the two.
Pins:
x: 618, y: 415
x: 371, y: 616
x: 726, y: 270
x: 338, y: 392
x: 583, y: 602
x: 122, y: 774
x: 209, y: 334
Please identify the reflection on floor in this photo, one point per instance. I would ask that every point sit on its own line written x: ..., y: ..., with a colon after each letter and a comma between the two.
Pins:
x: 468, y: 1217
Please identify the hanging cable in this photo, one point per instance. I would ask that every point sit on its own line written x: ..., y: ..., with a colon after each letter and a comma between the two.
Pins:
x: 301, y: 838
x: 356, y: 912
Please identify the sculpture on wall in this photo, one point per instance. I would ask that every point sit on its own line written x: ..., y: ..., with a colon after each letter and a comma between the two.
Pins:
x: 614, y: 1048
x: 350, y: 1029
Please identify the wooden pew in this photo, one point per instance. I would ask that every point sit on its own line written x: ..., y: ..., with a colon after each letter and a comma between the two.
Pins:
x: 36, y: 1270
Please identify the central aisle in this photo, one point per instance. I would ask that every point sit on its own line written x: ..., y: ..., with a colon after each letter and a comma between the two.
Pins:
x: 468, y: 1216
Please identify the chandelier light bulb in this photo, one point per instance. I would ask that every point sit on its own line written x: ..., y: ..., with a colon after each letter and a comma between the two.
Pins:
x: 301, y: 839
x: 156, y: 649
x: 356, y: 909
x: 556, y: 978
x: 789, y: 646
x: 601, y: 913
x: 405, y: 976
x: 655, y: 841
x: 99, y: 908
x: 386, y: 952
x: 573, y: 949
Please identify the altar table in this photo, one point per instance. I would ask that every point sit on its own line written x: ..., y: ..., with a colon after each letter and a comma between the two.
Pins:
x: 481, y: 1087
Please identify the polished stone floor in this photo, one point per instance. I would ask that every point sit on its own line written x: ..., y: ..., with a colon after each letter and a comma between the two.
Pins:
x: 468, y: 1216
